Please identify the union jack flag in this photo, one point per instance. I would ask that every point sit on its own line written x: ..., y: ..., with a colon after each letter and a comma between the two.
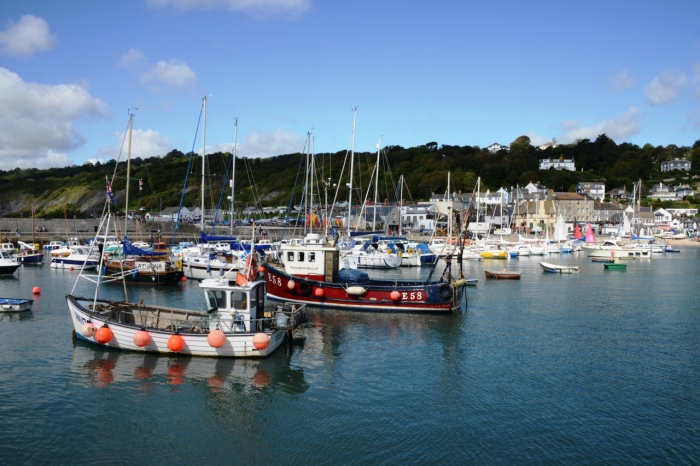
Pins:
x: 110, y: 194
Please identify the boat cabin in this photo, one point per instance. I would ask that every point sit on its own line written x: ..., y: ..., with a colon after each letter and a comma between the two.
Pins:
x: 313, y: 260
x: 8, y: 247
x: 232, y: 307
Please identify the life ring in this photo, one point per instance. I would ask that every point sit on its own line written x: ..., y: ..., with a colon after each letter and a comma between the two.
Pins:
x: 388, y: 251
x: 305, y: 287
x: 411, y: 250
x: 445, y: 291
x: 251, y: 267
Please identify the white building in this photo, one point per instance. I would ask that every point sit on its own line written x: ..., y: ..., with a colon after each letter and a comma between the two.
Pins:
x: 495, y: 147
x: 558, y: 164
x: 675, y: 164
x: 595, y: 190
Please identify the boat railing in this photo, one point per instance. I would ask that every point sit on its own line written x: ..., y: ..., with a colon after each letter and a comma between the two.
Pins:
x: 288, y: 316
x: 283, y: 317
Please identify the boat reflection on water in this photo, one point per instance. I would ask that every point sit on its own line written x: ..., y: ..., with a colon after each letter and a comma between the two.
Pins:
x: 16, y: 316
x: 104, y: 368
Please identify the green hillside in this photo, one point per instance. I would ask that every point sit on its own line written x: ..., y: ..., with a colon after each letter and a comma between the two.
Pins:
x: 80, y: 190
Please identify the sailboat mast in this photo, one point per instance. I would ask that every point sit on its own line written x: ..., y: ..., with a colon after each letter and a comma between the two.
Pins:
x: 128, y: 171
x: 376, y: 186
x: 311, y: 183
x: 204, y: 154
x: 352, y: 163
x: 400, y: 203
x: 233, y: 172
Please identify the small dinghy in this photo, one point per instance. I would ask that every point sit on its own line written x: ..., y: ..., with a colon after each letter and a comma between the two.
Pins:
x: 15, y: 304
x: 503, y: 275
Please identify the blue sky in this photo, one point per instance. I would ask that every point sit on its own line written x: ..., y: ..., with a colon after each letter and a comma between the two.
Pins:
x: 458, y: 73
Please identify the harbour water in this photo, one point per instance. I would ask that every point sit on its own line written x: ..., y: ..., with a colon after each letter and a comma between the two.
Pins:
x: 597, y: 367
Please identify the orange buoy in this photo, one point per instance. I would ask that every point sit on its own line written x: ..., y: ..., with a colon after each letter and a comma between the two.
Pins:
x: 103, y: 335
x: 36, y: 290
x: 216, y: 338
x: 291, y: 285
x: 395, y: 295
x: 261, y: 269
x: 183, y: 279
x: 71, y: 268
x: 142, y: 338
x: 88, y: 329
x: 319, y: 292
x: 175, y: 342
x: 261, y: 340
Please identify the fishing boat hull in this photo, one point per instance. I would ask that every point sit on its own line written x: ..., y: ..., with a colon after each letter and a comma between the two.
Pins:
x: 143, y: 273
x: 374, y: 296
x: 68, y: 263
x: 15, y: 304
x: 194, y: 338
x: 8, y: 269
x: 36, y: 258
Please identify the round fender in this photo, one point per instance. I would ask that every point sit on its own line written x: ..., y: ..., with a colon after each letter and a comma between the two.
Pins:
x: 445, y: 291
x: 305, y: 287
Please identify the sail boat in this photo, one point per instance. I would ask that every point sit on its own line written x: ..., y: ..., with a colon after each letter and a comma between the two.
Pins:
x: 29, y: 254
x: 367, y: 252
x: 310, y: 273
x: 135, y: 265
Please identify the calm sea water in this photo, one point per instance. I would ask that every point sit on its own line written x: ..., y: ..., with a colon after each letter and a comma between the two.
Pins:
x: 599, y: 367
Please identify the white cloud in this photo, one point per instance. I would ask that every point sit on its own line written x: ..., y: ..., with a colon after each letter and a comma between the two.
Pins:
x: 618, y: 129
x: 537, y: 140
x: 255, y: 8
x: 260, y: 144
x: 26, y: 37
x: 133, y: 59
x: 665, y: 88
x: 145, y: 143
x: 172, y: 73
x: 622, y: 80
x: 36, y: 122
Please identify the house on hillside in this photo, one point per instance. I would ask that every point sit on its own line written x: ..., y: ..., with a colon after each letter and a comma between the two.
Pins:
x: 535, y: 188
x: 558, y: 164
x: 604, y: 212
x: 675, y: 164
x: 495, y: 147
x: 662, y: 217
x: 683, y: 191
x: 662, y: 192
x: 573, y: 206
x: 619, y: 194
x: 593, y: 189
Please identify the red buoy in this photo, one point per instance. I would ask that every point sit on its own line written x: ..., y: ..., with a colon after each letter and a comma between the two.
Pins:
x: 261, y: 269
x: 36, y: 290
x: 103, y: 335
x: 261, y: 340
x: 291, y: 284
x: 183, y: 279
x: 216, y: 338
x: 395, y: 295
x: 319, y: 292
x: 175, y: 342
x: 142, y: 338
